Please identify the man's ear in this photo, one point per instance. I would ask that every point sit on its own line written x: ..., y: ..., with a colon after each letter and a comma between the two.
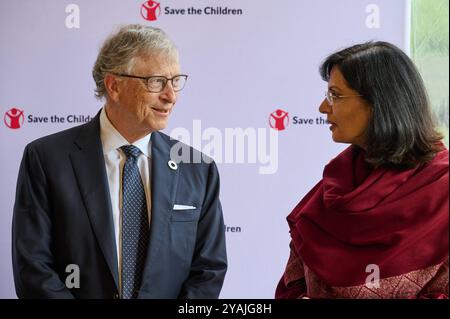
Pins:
x: 111, y: 83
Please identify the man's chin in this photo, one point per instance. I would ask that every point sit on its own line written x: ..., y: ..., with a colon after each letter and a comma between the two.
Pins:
x: 157, y: 126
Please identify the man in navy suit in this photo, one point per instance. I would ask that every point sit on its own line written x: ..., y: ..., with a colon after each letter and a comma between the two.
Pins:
x: 107, y: 198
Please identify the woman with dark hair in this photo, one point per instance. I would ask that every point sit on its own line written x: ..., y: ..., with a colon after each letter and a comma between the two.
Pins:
x: 377, y: 224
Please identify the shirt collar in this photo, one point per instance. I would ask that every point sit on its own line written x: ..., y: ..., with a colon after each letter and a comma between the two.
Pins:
x: 112, y: 140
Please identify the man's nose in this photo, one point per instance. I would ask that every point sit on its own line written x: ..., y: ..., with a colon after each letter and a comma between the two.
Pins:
x: 169, y: 94
x: 325, y: 107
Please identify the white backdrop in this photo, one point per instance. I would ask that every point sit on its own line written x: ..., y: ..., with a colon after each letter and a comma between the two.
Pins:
x: 242, y: 66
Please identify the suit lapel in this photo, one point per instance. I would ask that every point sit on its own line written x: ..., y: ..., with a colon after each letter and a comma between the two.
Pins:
x: 163, y: 188
x: 89, y: 166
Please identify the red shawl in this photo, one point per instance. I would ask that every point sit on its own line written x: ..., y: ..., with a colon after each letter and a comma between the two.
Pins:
x: 355, y: 216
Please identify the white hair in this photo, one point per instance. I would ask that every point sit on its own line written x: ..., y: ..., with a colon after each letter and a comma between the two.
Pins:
x: 119, y: 51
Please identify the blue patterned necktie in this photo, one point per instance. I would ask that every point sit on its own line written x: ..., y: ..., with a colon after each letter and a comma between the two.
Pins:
x: 135, y: 225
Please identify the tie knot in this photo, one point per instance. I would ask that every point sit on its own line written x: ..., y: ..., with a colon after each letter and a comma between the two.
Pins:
x: 131, y: 151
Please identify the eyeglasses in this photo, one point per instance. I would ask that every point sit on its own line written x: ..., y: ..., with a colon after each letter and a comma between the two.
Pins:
x: 156, y: 84
x: 333, y: 97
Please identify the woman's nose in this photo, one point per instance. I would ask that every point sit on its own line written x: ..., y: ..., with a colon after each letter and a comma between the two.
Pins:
x: 325, y: 107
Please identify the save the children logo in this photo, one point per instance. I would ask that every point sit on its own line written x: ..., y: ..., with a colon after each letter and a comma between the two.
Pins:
x: 150, y: 10
x: 279, y: 120
x: 14, y: 118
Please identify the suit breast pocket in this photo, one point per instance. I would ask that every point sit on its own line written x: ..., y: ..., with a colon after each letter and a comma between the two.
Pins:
x: 185, y: 215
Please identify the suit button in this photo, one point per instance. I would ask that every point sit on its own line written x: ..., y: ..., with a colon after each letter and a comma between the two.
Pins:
x: 116, y: 296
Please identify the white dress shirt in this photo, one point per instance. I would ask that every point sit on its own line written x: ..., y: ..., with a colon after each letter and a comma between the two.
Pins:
x: 115, y: 159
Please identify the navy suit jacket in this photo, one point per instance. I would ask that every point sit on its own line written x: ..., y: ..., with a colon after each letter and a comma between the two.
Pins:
x: 63, y: 216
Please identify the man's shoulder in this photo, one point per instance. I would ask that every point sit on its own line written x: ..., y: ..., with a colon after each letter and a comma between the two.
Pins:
x: 59, y: 140
x: 179, y: 148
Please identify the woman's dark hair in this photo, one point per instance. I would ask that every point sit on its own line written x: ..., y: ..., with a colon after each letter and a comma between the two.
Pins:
x: 401, y: 132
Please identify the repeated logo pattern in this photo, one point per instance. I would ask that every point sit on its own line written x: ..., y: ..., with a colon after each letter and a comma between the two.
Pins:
x: 14, y: 118
x: 279, y: 120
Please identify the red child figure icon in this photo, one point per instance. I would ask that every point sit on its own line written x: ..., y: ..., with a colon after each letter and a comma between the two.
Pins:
x: 15, y: 117
x: 150, y: 10
x: 280, y: 119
